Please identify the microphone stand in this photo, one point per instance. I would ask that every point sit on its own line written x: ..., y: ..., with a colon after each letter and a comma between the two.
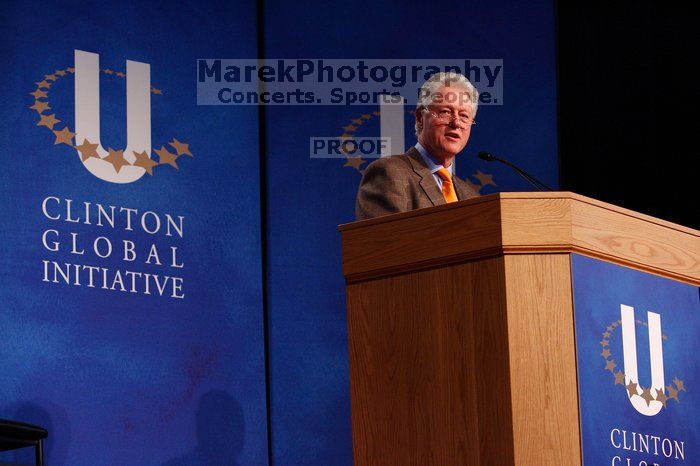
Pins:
x: 539, y: 185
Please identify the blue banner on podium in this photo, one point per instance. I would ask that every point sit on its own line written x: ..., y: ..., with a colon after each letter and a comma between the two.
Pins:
x: 637, y: 338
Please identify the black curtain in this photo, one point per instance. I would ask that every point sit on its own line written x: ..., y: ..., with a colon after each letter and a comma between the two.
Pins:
x: 628, y: 106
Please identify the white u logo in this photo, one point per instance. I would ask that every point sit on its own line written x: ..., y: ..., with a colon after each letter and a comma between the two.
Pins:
x: 138, y: 115
x: 656, y: 358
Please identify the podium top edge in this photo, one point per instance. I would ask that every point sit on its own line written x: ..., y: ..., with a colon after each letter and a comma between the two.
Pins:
x: 496, y: 198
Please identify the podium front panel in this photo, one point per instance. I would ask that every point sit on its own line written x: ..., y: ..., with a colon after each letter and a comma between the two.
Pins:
x: 638, y: 340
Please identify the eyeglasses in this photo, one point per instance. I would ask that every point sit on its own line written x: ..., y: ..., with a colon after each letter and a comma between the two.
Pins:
x: 445, y: 116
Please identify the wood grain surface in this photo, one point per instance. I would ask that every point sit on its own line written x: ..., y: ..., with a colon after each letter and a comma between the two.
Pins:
x: 517, y: 223
x: 471, y: 364
x: 429, y: 368
x: 542, y: 362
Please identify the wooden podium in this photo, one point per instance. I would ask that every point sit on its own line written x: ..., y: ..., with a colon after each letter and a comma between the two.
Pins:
x: 460, y: 322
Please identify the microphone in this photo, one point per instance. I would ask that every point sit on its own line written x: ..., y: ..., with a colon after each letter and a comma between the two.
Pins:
x: 540, y: 186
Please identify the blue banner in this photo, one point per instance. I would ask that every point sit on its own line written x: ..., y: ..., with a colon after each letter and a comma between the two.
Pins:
x: 131, y: 320
x: 637, y: 345
x: 309, y: 196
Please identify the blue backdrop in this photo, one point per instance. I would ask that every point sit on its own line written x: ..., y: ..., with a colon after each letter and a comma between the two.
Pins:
x: 118, y: 377
x: 307, y: 198
x: 129, y: 378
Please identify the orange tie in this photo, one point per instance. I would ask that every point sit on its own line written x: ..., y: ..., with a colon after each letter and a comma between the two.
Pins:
x: 448, y: 189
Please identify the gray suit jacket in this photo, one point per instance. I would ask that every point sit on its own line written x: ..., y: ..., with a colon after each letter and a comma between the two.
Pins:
x: 400, y: 183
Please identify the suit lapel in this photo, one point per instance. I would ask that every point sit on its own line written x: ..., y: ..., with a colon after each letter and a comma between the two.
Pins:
x: 427, y: 181
x: 464, y: 191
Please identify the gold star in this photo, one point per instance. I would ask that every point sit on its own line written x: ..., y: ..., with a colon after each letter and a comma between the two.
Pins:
x: 108, y: 71
x: 610, y: 328
x: 166, y: 157
x: 375, y: 113
x: 605, y: 353
x: 349, y: 128
x: 50, y: 77
x: 610, y: 366
x: 120, y: 74
x: 619, y: 378
x: 679, y: 384
x: 48, y: 120
x: 157, y: 91
x: 116, y: 158
x: 672, y: 392
x: 180, y: 147
x: 349, y: 150
x: 87, y: 150
x: 604, y: 343
x: 354, y: 162
x: 40, y: 106
x: 661, y: 396
x: 484, y: 179
x: 43, y: 83
x: 646, y: 395
x: 60, y: 72
x: 631, y: 388
x: 70, y: 70
x: 64, y: 136
x: 145, y: 162
x: 38, y: 94
x: 606, y: 335
x: 357, y: 121
x: 366, y: 116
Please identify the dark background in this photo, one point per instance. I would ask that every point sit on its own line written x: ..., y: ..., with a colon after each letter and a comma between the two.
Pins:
x: 627, y: 103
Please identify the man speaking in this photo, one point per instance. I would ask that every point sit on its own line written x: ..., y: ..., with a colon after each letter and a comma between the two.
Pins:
x: 424, y: 176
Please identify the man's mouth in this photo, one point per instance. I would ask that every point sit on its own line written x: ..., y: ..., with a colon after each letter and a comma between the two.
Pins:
x: 452, y: 136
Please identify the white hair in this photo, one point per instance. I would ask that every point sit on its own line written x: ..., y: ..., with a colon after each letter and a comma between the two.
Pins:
x: 426, y: 94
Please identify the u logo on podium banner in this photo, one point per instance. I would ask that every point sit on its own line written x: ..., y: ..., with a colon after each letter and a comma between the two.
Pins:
x: 650, y: 400
x: 637, y: 395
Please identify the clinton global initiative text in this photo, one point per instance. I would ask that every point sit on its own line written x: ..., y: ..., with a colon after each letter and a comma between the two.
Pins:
x: 114, y: 280
x: 83, y: 243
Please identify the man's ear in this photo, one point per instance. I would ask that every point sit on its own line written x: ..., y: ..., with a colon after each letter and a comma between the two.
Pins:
x: 419, y: 119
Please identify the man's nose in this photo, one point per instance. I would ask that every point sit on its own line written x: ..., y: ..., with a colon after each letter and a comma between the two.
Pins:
x: 455, y: 123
